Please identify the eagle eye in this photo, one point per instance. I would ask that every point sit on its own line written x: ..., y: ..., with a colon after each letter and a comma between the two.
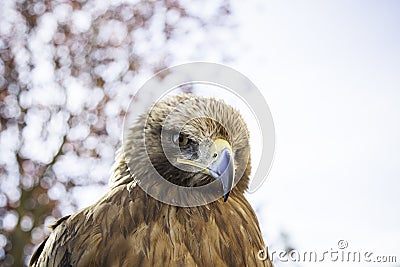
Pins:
x: 180, y: 139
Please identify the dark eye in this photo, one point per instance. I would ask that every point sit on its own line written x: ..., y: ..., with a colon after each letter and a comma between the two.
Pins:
x: 180, y: 139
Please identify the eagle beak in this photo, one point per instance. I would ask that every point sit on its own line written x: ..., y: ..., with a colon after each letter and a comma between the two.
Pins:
x: 222, y: 168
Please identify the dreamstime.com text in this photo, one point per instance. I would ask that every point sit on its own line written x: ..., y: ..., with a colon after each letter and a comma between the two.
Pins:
x: 339, y: 254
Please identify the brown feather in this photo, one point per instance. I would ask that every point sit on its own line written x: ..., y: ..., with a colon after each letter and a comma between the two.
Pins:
x: 126, y: 227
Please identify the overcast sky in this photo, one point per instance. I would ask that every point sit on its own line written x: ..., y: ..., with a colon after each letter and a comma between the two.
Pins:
x: 330, y: 71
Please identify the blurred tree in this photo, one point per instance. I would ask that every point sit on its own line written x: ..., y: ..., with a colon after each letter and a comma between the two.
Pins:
x: 68, y: 70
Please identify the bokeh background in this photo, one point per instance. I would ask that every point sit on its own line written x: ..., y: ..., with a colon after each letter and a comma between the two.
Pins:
x: 330, y: 71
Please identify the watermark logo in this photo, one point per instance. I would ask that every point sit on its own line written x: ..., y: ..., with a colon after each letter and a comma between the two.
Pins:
x: 224, y: 79
x: 342, y: 244
x: 340, y: 254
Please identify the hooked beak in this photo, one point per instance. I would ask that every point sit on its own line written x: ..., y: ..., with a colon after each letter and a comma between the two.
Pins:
x: 221, y: 167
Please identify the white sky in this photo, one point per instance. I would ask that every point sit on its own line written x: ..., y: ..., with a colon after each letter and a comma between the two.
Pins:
x: 330, y: 71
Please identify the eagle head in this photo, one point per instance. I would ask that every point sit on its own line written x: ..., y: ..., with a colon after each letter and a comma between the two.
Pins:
x: 192, y: 141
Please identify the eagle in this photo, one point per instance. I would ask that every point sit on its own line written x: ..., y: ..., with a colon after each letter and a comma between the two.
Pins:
x: 205, y: 141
